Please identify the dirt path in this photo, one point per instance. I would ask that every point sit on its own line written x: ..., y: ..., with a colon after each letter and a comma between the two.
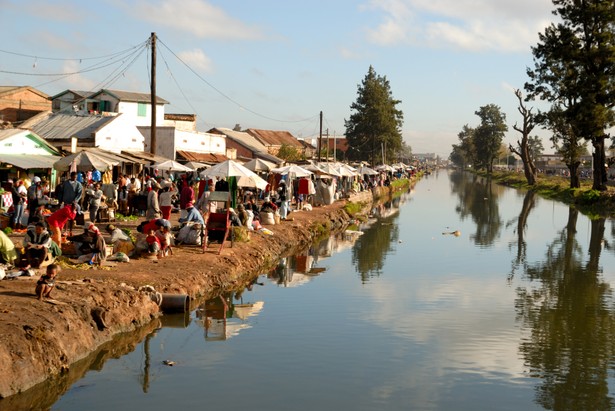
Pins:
x: 40, y: 339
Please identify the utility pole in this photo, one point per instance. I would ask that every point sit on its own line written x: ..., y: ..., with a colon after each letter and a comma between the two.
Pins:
x: 153, y: 96
x: 327, y: 145
x: 320, y: 137
x: 334, y: 147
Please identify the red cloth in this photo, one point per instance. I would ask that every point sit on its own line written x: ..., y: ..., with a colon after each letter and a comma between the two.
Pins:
x: 166, y: 212
x: 186, y: 196
x: 60, y: 217
x: 151, y: 239
x: 304, y: 186
x: 151, y: 225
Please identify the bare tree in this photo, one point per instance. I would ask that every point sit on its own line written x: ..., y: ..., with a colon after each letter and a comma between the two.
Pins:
x: 523, y: 146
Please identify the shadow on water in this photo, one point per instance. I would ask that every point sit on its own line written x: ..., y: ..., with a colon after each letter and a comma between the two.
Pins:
x: 45, y: 394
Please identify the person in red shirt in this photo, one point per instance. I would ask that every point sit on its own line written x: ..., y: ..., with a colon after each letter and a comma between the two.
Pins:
x: 186, y: 196
x: 153, y: 243
x: 57, y: 220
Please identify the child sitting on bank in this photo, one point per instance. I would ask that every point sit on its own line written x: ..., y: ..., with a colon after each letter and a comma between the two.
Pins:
x: 45, y: 284
x: 153, y: 243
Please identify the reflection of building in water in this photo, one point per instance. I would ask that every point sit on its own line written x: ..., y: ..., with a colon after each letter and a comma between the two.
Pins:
x: 222, y: 318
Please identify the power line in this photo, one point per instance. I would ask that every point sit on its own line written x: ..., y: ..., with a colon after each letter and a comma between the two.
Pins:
x: 229, y: 98
x: 116, y: 59
x: 70, y: 59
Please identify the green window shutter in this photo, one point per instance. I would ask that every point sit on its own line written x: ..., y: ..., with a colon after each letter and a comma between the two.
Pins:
x: 142, y: 110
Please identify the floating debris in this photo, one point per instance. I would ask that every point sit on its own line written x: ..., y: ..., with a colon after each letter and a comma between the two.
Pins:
x: 456, y: 233
x: 169, y: 363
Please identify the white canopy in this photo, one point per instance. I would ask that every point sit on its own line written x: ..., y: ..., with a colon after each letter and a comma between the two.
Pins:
x: 292, y: 169
x: 258, y: 164
x: 229, y: 168
x: 366, y: 170
x: 195, y: 165
x: 84, y: 161
x: 171, y: 165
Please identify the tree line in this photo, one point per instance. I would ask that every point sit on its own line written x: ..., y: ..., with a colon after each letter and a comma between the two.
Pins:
x: 574, y: 72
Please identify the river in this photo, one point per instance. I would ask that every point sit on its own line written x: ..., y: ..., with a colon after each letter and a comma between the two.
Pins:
x: 459, y: 295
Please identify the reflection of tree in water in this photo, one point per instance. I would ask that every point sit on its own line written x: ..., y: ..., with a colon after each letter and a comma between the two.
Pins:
x: 369, y: 251
x: 571, y: 340
x: 521, y: 257
x: 478, y: 199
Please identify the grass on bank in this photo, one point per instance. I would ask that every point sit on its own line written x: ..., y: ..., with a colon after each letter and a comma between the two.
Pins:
x: 594, y: 203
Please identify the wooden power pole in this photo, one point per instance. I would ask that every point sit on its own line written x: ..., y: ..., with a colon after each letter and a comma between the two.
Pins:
x: 320, y: 138
x: 153, y: 96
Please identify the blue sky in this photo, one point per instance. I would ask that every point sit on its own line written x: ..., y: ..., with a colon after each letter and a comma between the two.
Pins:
x: 276, y: 64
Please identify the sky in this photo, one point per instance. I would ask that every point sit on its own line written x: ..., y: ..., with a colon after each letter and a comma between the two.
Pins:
x: 276, y: 64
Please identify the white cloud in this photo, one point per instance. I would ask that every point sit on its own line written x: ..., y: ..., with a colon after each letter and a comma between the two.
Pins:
x: 475, y: 25
x: 197, y: 60
x: 197, y: 17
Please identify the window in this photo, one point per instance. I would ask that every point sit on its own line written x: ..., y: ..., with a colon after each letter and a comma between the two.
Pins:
x: 141, y: 110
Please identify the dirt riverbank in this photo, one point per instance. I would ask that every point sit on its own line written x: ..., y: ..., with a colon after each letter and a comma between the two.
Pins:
x: 41, y: 339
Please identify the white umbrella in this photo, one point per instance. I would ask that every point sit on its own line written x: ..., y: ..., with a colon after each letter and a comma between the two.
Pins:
x: 171, y: 165
x: 84, y: 161
x: 292, y: 169
x: 384, y: 167
x: 195, y: 165
x: 366, y: 170
x: 259, y: 165
x: 229, y: 168
x: 330, y: 169
x: 345, y: 170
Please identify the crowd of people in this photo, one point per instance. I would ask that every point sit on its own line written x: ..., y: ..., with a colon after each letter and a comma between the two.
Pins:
x: 49, y: 218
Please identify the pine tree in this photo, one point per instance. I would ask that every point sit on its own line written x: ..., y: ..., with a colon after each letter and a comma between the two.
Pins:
x: 374, y: 128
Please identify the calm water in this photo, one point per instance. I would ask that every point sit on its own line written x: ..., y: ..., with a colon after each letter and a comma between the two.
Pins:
x: 515, y: 313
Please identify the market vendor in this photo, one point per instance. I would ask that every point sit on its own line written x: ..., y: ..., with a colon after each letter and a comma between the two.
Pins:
x: 192, y: 215
x: 57, y: 221
x: 121, y: 242
x: 37, y: 242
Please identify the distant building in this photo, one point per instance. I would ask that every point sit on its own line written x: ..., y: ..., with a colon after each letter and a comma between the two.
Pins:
x: 273, y: 140
x: 136, y: 107
x: 69, y: 132
x: 19, y: 103
x: 186, y: 145
x: 246, y: 146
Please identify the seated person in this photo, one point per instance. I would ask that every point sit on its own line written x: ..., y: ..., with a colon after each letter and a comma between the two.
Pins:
x: 45, y: 284
x: 243, y: 215
x: 8, y: 255
x: 251, y: 206
x: 121, y: 242
x: 153, y: 243
x: 37, y: 242
x: 193, y: 215
x: 99, y: 247
x: 268, y: 206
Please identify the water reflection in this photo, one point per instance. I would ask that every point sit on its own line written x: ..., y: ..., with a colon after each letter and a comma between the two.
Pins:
x: 567, y: 310
x: 520, y: 261
x: 478, y: 199
x: 380, y: 232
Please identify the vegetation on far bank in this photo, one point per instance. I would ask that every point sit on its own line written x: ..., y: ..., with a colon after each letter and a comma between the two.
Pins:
x: 592, y: 202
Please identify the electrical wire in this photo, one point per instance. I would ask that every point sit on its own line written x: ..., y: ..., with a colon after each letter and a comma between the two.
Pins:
x: 229, y: 98
x: 72, y: 59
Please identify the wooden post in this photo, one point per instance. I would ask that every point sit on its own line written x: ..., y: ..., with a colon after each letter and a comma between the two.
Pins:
x: 153, y: 96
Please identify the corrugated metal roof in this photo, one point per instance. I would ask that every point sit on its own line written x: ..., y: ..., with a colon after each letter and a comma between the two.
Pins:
x: 76, y: 93
x: 274, y: 138
x: 29, y: 161
x: 208, y: 158
x: 242, y: 138
x: 61, y: 126
x: 130, y: 96
x: 13, y: 89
